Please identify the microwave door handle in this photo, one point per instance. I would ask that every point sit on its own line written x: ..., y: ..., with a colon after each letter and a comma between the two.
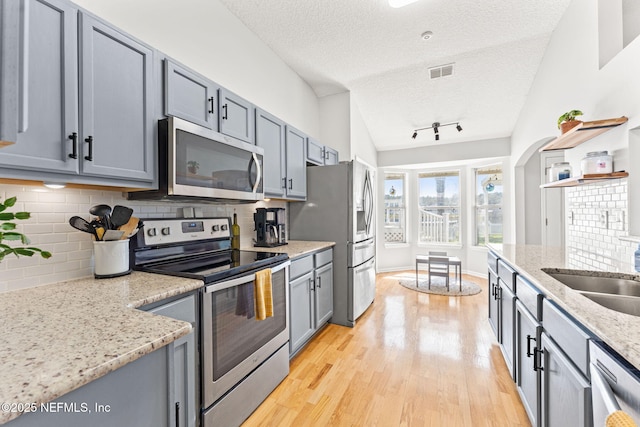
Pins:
x: 254, y: 161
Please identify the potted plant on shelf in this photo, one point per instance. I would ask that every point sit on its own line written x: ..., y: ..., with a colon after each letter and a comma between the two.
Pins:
x: 7, y: 233
x: 192, y: 166
x: 568, y: 121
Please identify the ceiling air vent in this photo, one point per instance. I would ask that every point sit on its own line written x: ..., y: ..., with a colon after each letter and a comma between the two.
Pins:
x: 441, y: 71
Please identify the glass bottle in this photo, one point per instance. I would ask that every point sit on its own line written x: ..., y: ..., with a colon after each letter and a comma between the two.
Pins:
x: 235, y: 233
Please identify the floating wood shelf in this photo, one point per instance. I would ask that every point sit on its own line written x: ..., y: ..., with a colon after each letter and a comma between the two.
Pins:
x: 582, y: 132
x: 585, y: 179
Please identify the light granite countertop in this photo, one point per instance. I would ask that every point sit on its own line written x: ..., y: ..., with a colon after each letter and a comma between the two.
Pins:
x: 294, y: 248
x: 620, y: 331
x: 56, y: 338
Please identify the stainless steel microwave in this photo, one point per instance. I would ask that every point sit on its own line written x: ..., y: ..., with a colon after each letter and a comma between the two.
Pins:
x: 198, y: 163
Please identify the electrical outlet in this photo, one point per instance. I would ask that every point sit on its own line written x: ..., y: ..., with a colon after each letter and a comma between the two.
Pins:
x: 604, y: 218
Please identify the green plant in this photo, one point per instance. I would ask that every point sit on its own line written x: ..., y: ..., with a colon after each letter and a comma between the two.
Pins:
x: 568, y: 116
x: 7, y: 232
x: 193, y: 164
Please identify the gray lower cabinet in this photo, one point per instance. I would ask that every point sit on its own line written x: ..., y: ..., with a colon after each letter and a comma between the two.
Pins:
x: 301, y: 311
x: 182, y: 362
x: 270, y: 136
x: 566, y: 393
x: 311, y: 297
x: 507, y: 324
x: 133, y: 395
x: 296, y: 167
x: 494, y: 303
x: 190, y: 96
x: 236, y: 116
x: 83, y: 110
x: 528, y: 332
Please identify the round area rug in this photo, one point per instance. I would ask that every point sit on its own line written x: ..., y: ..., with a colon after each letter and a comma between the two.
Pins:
x: 439, y: 287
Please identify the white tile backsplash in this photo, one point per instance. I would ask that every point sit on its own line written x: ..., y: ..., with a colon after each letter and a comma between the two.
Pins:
x: 72, y: 250
x: 600, y: 217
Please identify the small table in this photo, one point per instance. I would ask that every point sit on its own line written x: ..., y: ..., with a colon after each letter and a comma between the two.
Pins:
x: 451, y: 260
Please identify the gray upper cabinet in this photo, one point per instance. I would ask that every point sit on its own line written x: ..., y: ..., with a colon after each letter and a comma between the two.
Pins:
x: 43, y: 116
x: 315, y: 152
x: 236, y: 116
x: 117, y: 103
x: 94, y: 126
x: 190, y: 96
x: 318, y: 154
x: 270, y: 136
x: 296, y: 176
x: 330, y: 156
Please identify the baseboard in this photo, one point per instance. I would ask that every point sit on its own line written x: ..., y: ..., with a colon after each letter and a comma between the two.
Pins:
x: 397, y: 269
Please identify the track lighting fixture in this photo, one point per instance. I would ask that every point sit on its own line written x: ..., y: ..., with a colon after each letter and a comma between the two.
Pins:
x: 436, y: 129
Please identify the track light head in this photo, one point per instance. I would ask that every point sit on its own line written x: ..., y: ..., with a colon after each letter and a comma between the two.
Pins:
x: 414, y: 135
x: 437, y: 137
x: 459, y: 127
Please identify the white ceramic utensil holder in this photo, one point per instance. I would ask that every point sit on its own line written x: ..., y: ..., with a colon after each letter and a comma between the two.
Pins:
x: 111, y: 258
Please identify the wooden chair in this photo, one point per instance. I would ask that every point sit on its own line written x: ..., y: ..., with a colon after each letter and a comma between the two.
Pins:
x: 438, y: 267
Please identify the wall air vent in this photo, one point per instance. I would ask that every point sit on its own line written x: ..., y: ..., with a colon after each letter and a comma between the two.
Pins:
x: 441, y: 71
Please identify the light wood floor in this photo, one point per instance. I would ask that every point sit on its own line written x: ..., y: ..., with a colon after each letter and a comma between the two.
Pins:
x: 413, y: 359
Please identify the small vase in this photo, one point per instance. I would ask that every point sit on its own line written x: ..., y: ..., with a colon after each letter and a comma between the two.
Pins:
x: 567, y: 126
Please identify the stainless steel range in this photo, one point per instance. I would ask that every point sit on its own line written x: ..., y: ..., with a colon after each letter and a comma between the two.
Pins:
x: 242, y: 359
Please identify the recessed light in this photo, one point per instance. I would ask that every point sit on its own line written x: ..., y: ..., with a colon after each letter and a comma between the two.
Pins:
x: 426, y: 35
x: 400, y: 3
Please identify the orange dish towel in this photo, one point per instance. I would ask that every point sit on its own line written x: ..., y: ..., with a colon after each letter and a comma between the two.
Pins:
x: 263, y: 294
x: 619, y: 419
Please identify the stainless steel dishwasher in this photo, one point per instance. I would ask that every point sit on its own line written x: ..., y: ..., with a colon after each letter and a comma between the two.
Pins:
x: 615, y: 384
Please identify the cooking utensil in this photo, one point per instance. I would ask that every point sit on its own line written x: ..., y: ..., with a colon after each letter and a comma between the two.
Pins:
x: 113, y: 235
x: 129, y: 227
x: 82, y: 224
x: 103, y: 212
x: 120, y: 216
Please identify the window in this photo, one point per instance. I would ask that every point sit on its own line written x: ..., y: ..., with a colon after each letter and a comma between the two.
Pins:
x: 439, y: 207
x: 488, y: 205
x: 394, y: 208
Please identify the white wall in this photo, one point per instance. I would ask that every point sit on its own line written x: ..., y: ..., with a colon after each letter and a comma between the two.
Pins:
x: 361, y: 143
x: 206, y: 37
x: 569, y: 77
x: 335, y: 123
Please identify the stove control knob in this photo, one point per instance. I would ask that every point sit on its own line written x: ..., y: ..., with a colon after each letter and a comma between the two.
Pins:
x: 166, y: 231
x: 215, y: 228
x: 224, y: 227
x: 152, y: 232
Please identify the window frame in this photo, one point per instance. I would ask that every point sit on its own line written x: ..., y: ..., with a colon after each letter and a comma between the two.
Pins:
x: 487, y: 206
x: 404, y: 216
x: 441, y: 172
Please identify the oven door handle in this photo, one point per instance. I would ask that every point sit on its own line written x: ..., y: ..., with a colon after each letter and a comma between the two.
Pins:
x: 240, y: 280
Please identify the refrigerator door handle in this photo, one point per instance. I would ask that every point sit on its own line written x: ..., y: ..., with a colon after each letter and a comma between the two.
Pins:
x: 368, y: 201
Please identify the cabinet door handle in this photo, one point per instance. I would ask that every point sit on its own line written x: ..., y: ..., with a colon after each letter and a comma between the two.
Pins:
x: 529, y: 339
x: 319, y: 285
x: 224, y: 116
x: 89, y: 140
x: 177, y: 414
x: 74, y: 145
x: 284, y: 182
x: 211, y: 104
x: 537, y: 354
x: 290, y: 183
x: 312, y: 284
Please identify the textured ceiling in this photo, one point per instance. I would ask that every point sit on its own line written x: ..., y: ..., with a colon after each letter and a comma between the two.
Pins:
x: 376, y: 52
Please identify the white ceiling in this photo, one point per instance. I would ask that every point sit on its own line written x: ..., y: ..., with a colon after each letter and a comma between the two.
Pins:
x: 376, y: 52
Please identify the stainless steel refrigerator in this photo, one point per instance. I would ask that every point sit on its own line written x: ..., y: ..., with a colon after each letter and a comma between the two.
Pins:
x: 340, y: 208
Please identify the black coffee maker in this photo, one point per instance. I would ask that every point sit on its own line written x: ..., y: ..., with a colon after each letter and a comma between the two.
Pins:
x: 270, y: 227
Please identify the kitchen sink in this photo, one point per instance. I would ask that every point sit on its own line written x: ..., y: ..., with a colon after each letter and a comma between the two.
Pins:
x: 621, y: 303
x: 583, y: 281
